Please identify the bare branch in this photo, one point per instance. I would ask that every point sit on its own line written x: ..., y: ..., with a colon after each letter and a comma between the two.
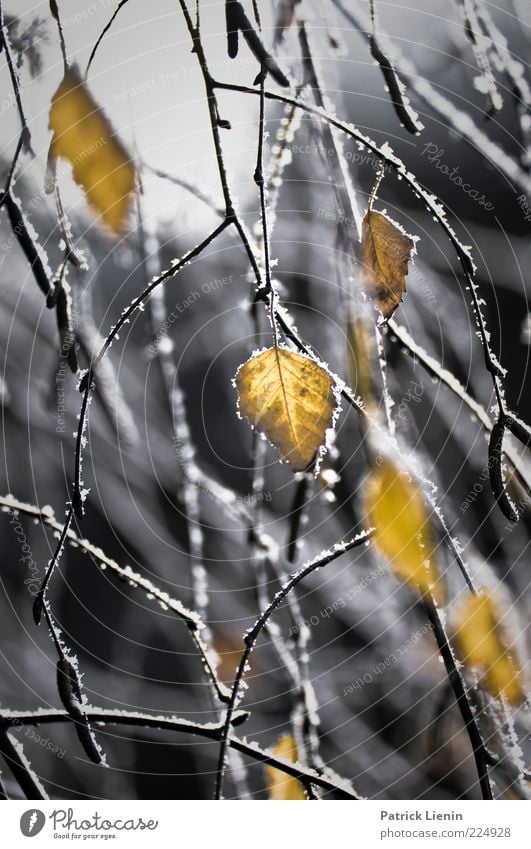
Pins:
x: 253, y: 633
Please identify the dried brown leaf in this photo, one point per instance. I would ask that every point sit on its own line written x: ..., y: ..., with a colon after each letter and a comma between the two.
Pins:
x: 385, y: 254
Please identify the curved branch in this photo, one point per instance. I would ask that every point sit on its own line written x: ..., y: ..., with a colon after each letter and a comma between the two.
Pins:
x: 13, y: 753
x: 253, y: 633
x: 451, y: 116
x: 15, y: 82
x: 506, y: 418
x: 211, y: 731
x: 105, y: 30
x: 134, y: 579
x: 481, y: 756
x: 433, y: 367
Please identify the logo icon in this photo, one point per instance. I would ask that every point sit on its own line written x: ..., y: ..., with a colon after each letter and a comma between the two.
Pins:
x: 32, y: 822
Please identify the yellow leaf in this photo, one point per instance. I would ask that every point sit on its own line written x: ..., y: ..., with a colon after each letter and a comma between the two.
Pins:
x: 385, y: 253
x: 290, y: 399
x: 361, y: 356
x: 283, y: 787
x: 100, y: 164
x: 481, y: 643
x: 394, y: 506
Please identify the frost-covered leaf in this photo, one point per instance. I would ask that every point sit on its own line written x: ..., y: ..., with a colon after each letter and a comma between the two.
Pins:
x: 85, y: 138
x: 290, y: 399
x: 385, y: 253
x: 394, y: 506
x: 483, y: 644
x: 283, y: 787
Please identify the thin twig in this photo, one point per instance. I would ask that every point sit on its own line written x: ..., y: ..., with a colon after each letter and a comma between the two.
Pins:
x: 435, y: 369
x: 15, y: 82
x: 13, y: 753
x: 469, y: 718
x: 506, y: 419
x: 188, y: 186
x: 125, y: 573
x: 211, y: 731
x: 253, y: 633
x: 86, y: 386
x: 461, y: 122
x: 260, y: 182
x: 54, y: 9
x: 141, y: 299
x: 106, y: 28
x: 12, y: 169
x: 306, y: 698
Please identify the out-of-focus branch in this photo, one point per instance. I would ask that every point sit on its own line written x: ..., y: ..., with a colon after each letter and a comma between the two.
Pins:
x: 253, y: 633
x: 211, y: 731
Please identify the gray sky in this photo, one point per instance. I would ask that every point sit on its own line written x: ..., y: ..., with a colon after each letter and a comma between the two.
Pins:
x: 149, y: 84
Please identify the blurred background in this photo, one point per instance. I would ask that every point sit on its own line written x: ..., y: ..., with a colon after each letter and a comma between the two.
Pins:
x: 398, y: 735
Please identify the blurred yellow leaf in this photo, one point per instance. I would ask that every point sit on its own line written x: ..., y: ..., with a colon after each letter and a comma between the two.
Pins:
x: 100, y: 164
x: 290, y: 399
x: 361, y: 356
x: 284, y: 787
x: 228, y: 648
x: 481, y: 643
x: 394, y: 506
x: 385, y: 254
